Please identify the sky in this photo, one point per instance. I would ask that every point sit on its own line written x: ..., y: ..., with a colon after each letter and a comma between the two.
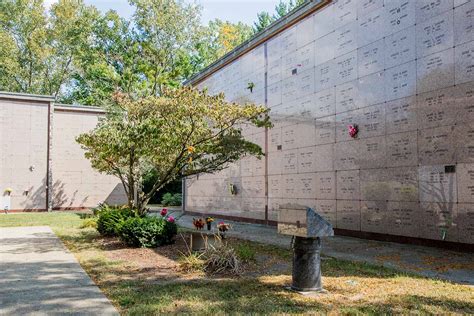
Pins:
x: 228, y: 10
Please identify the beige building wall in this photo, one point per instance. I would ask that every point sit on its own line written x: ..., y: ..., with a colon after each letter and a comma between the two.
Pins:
x: 23, y: 152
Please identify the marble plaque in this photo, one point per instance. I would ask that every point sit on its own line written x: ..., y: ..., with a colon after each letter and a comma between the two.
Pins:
x: 255, y: 207
x: 372, y: 152
x: 325, y: 185
x: 435, y: 34
x: 327, y: 209
x: 400, y: 47
x: 426, y: 9
x: 345, y: 11
x: 436, y: 146
x: 371, y: 58
x: 305, y: 32
x: 288, y: 41
x: 348, y: 215
x: 305, y: 106
x: 305, y: 186
x: 305, y: 83
x: 325, y: 76
x: 464, y: 63
x: 275, y: 189
x: 372, y: 121
x: 348, y: 185
x: 290, y: 185
x: 371, y: 89
x: 374, y: 216
x: 289, y: 161
x: 288, y: 136
x: 347, y: 155
x: 275, y: 163
x: 465, y: 102
x: 345, y: 68
x: 400, y: 14
x: 253, y: 187
x: 324, y: 48
x: 325, y: 103
x: 306, y: 159
x: 289, y: 90
x: 400, y: 81
x: 436, y: 185
x: 465, y: 175
x: 403, y: 183
x: 274, y: 72
x: 323, y: 21
x: 274, y: 49
x: 325, y: 129
x: 371, y: 27
x: 347, y: 96
x: 343, y: 120
x: 402, y: 149
x: 289, y: 65
x: 464, y: 26
x: 366, y: 6
x: 465, y: 220
x: 403, y: 218
x: 305, y: 133
x: 305, y: 57
x: 401, y: 115
x: 439, y: 221
x: 437, y: 108
x: 346, y: 39
x: 324, y: 157
x: 464, y: 142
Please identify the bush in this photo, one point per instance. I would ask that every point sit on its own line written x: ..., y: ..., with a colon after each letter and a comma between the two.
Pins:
x: 90, y: 222
x: 170, y: 199
x: 110, y: 219
x: 148, y: 232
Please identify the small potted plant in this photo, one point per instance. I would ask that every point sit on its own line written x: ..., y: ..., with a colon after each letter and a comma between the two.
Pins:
x: 209, y: 221
x: 198, y: 223
x: 223, y: 228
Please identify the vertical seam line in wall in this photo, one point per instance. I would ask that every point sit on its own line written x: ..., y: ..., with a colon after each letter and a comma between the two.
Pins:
x: 48, y: 156
x: 265, y: 55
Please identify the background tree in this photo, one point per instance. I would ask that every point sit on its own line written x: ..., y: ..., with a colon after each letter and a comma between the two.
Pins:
x: 264, y: 18
x: 183, y: 132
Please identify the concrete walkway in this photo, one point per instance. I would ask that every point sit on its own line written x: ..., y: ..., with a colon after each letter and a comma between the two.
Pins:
x: 426, y: 261
x: 39, y: 276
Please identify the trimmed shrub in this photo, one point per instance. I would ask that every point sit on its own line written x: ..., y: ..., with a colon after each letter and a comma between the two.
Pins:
x: 110, y: 219
x: 147, y: 232
x: 170, y: 199
x: 90, y: 222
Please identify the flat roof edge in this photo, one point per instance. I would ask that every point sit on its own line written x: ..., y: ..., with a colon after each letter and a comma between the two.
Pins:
x: 26, y: 96
x: 78, y: 108
x: 271, y: 31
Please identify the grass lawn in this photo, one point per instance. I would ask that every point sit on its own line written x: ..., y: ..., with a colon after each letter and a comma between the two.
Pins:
x: 148, y: 281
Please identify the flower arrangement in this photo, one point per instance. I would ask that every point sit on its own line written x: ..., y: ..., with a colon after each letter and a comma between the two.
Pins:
x: 168, y: 218
x: 223, y: 227
x: 164, y: 212
x: 198, y: 223
x: 209, y: 221
x: 232, y: 189
x: 8, y: 191
x: 171, y: 219
x: 353, y: 130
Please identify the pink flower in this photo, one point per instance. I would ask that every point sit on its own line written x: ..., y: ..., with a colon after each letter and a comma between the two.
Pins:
x: 221, y: 223
x: 353, y: 130
x: 170, y: 219
x: 164, y: 212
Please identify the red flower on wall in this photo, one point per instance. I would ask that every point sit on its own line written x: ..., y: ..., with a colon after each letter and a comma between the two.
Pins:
x: 353, y: 130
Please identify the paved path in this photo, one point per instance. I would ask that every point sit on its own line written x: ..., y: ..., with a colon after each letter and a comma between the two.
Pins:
x: 39, y: 276
x: 427, y: 261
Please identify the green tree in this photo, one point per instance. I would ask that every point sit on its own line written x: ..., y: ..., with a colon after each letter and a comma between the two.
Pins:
x: 264, y: 19
x: 183, y: 132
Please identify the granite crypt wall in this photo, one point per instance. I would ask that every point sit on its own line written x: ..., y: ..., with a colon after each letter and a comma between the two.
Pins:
x: 41, y: 163
x: 403, y: 72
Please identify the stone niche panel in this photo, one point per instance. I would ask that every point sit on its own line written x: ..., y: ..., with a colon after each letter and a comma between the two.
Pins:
x: 403, y: 183
x: 289, y: 184
x: 464, y: 63
x: 274, y: 72
x: 325, y: 48
x: 439, y: 221
x: 371, y: 89
x: 464, y: 26
x: 306, y: 57
x: 372, y: 121
x: 305, y: 83
x: 254, y: 207
x: 403, y: 219
x: 402, y: 149
x: 343, y: 120
x: 464, y: 136
x: 346, y: 39
x: 465, y: 220
x: 325, y: 76
x: 401, y: 115
x: 435, y: 71
x: 306, y: 159
x: 436, y: 146
x: 374, y: 185
x: 275, y: 163
x: 374, y: 216
x: 324, y: 21
x: 325, y: 103
x: 327, y: 209
x: 426, y: 9
x: 345, y: 68
x: 465, y: 102
x: 288, y: 41
x: 372, y: 153
x: 371, y: 27
x: 348, y: 215
x: 348, y: 185
x: 366, y: 6
x: 324, y: 157
x: 465, y: 176
x: 253, y: 187
x: 437, y: 108
x: 305, y: 186
x: 400, y: 81
x: 275, y: 186
x: 345, y: 11
x: 371, y: 58
x: 325, y: 185
x: 400, y: 14
x: 436, y: 185
x: 347, y: 96
x: 289, y: 161
x: 400, y: 47
x: 435, y: 34
x: 347, y: 155
x: 325, y: 130
x: 305, y: 32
